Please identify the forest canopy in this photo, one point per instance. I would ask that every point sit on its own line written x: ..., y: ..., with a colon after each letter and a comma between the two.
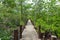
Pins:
x: 14, y: 13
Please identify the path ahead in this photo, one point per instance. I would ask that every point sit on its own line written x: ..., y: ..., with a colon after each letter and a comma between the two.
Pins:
x: 29, y: 32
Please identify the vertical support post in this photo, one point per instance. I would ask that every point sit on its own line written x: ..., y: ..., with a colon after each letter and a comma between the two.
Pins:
x: 46, y: 35
x: 20, y: 31
x: 23, y: 27
x: 32, y: 22
x: 54, y: 38
x: 26, y: 22
x: 15, y: 34
x: 35, y: 28
x: 39, y: 31
x: 50, y: 36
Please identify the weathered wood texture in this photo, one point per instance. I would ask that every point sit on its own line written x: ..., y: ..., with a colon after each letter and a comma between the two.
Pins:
x: 21, y: 31
x: 29, y: 31
x: 15, y: 34
x: 39, y: 31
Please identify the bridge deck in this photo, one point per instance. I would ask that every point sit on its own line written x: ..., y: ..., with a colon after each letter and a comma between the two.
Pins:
x: 29, y: 32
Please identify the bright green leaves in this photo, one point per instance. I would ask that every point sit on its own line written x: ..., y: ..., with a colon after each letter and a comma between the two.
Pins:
x: 9, y: 3
x: 47, y: 15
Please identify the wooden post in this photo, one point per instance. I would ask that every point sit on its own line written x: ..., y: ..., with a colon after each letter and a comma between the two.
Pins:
x: 41, y: 36
x: 35, y: 28
x: 20, y: 31
x: 15, y: 34
x: 46, y: 35
x: 54, y: 38
x: 23, y: 27
x: 39, y: 31
x: 50, y: 36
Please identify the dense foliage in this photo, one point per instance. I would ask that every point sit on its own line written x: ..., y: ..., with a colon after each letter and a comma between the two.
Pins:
x: 42, y: 12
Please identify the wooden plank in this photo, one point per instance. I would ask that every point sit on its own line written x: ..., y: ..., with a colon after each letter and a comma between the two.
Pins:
x: 54, y: 38
x: 47, y: 35
x: 15, y: 34
x: 20, y: 31
x: 39, y: 31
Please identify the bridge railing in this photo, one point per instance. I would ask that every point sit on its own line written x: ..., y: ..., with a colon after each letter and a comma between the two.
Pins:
x: 18, y: 35
x: 42, y: 36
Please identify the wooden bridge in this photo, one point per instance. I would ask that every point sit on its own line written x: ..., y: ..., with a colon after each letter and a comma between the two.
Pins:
x: 28, y: 32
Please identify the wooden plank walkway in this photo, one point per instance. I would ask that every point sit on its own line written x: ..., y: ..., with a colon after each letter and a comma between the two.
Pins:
x: 29, y: 32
